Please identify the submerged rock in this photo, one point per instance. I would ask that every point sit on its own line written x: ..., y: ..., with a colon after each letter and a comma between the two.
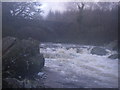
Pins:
x: 113, y: 45
x: 113, y: 56
x: 99, y: 51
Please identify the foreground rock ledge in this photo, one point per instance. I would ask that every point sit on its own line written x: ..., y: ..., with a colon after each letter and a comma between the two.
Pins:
x: 21, y: 60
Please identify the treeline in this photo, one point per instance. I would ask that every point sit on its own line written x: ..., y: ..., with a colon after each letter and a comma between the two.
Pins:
x: 77, y: 25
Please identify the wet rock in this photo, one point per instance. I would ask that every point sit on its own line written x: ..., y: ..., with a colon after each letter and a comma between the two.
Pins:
x: 113, y: 56
x: 7, y: 43
x: 30, y: 47
x: 32, y: 83
x: 35, y: 64
x: 14, y: 46
x: 113, y: 45
x: 26, y: 83
x: 99, y: 51
x: 27, y: 67
x: 40, y: 74
x: 21, y: 57
x: 79, y: 50
x: 12, y: 83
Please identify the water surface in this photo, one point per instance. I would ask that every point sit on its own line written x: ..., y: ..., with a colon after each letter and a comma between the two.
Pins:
x: 73, y: 66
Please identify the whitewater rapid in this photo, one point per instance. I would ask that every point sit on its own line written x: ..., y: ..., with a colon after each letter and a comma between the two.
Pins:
x: 73, y: 66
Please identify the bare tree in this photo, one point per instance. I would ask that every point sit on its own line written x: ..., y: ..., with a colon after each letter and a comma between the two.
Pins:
x: 80, y: 6
x: 80, y: 13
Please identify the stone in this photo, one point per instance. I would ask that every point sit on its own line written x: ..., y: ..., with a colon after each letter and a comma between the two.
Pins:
x: 11, y: 83
x: 7, y: 43
x: 98, y: 51
x: 26, y: 83
x: 113, y: 56
x: 40, y: 74
x: 113, y: 45
x: 22, y: 58
x: 36, y: 63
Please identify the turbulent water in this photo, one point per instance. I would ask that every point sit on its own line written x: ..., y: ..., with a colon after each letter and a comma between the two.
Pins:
x: 73, y: 66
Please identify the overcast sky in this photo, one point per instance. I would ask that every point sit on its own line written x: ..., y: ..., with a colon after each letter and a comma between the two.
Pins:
x: 53, y: 6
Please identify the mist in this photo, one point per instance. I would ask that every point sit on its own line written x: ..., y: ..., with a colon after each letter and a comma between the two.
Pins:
x: 60, y: 44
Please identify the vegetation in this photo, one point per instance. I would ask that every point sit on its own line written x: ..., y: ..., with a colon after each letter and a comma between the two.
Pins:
x: 87, y: 23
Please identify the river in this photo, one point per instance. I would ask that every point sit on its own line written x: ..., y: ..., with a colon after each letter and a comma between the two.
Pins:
x: 73, y: 66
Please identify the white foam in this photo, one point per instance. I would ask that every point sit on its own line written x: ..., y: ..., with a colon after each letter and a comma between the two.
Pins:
x: 69, y: 62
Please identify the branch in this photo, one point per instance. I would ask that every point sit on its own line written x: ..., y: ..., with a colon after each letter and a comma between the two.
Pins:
x: 80, y: 7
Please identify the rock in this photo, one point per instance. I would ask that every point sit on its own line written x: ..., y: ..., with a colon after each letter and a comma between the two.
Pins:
x: 113, y: 45
x: 7, y: 43
x: 18, y: 47
x: 28, y: 67
x: 21, y: 57
x: 32, y: 83
x: 35, y: 64
x: 26, y: 83
x: 113, y: 56
x: 99, y: 51
x: 11, y: 83
x: 40, y: 74
x: 30, y: 46
x: 79, y: 50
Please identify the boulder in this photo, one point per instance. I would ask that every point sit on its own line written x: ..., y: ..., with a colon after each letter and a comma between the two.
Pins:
x: 21, y: 58
x: 32, y: 83
x: 98, y: 51
x: 113, y: 45
x: 7, y: 43
x: 113, y: 56
x: 26, y: 83
x: 27, y: 67
x: 12, y: 83
x: 35, y: 64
